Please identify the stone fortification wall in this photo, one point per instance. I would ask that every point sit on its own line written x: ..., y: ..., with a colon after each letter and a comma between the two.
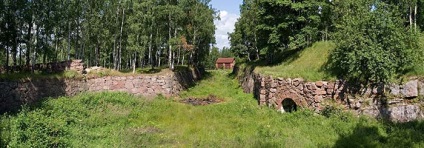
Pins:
x: 396, y: 102
x: 13, y: 94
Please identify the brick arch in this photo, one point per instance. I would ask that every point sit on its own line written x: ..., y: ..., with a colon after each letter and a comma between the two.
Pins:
x: 298, y: 99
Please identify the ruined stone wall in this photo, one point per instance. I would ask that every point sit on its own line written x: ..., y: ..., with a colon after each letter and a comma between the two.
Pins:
x: 145, y: 85
x: 396, y: 102
x: 13, y: 94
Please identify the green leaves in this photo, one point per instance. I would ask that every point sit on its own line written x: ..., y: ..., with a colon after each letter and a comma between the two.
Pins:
x: 279, y: 25
x: 372, y: 45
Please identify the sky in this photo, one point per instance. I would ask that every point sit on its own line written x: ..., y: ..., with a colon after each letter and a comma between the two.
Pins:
x: 229, y: 12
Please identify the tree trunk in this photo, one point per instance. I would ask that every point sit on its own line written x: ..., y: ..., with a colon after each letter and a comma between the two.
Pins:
x: 45, y: 51
x: 169, y: 45
x: 158, y: 56
x: 69, y: 38
x: 97, y: 55
x: 173, y: 53
x: 256, y: 47
x: 134, y: 61
x: 7, y: 59
x: 28, y: 52
x: 34, y: 57
x: 20, y: 55
x: 159, y: 49
x: 56, y: 45
x: 120, y: 39
x: 150, y: 50
x: 193, y: 52
x: 114, y: 54
x: 15, y: 51
x: 178, y: 55
x: 82, y: 43
x: 415, y: 17
x: 77, y: 51
x: 410, y: 17
x: 182, y: 60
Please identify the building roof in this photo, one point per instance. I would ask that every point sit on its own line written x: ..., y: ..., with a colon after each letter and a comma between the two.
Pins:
x: 225, y: 60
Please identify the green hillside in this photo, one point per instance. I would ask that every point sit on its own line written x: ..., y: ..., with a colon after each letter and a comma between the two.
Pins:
x: 309, y: 64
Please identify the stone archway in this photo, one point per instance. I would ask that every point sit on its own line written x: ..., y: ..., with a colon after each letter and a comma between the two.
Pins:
x: 288, y: 105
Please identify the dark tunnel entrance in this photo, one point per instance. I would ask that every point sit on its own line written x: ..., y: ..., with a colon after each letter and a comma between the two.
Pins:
x: 289, y: 105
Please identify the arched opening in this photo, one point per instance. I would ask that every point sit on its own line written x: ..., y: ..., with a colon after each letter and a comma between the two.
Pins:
x: 288, y: 105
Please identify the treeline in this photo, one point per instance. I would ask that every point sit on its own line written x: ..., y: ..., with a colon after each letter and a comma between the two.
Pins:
x: 118, y: 34
x: 376, y: 39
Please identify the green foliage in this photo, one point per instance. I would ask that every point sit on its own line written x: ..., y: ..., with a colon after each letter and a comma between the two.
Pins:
x: 109, y: 33
x: 372, y: 45
x: 273, y: 26
x: 212, y: 57
x: 418, y: 67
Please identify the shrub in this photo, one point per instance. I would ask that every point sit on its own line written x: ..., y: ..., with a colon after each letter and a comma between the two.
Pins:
x: 372, y: 45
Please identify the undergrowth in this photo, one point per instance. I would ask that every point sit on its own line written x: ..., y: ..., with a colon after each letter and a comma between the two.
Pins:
x: 122, y: 120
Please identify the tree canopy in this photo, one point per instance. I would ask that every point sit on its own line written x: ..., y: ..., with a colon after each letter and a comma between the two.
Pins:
x: 118, y: 34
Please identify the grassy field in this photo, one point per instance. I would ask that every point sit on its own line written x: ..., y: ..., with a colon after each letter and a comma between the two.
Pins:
x: 308, y: 64
x: 123, y: 120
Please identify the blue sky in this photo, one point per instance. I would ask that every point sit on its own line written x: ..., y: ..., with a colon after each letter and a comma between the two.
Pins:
x: 229, y: 13
x: 231, y: 6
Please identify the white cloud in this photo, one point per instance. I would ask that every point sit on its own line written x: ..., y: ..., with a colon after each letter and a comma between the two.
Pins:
x: 224, y: 26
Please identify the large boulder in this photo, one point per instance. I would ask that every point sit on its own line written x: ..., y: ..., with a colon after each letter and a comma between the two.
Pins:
x: 405, y: 113
x: 394, y: 89
x: 410, y: 89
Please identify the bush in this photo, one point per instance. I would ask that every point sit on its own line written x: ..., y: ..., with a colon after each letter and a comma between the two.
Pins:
x: 372, y: 45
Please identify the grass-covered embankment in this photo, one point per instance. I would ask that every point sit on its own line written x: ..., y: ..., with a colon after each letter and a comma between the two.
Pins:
x: 122, y: 120
x: 309, y: 64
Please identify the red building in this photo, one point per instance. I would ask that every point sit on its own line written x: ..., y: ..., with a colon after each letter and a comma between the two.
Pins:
x: 225, y: 63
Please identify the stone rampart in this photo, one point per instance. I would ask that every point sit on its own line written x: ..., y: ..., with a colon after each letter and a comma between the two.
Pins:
x: 397, y: 102
x: 13, y: 94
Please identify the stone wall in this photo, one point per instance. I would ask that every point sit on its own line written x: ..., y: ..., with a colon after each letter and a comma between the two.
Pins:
x: 395, y: 102
x: 13, y: 94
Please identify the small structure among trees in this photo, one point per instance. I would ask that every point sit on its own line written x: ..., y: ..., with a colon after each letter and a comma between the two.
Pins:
x: 225, y: 63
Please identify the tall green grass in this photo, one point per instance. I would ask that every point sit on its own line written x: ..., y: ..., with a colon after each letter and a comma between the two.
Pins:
x: 309, y: 64
x: 123, y: 120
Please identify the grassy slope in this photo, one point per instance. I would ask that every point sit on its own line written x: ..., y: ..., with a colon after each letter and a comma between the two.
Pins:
x: 311, y: 61
x: 309, y: 64
x: 121, y: 120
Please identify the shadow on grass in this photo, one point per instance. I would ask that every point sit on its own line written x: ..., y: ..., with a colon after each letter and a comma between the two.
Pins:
x: 392, y: 135
x: 286, y: 56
